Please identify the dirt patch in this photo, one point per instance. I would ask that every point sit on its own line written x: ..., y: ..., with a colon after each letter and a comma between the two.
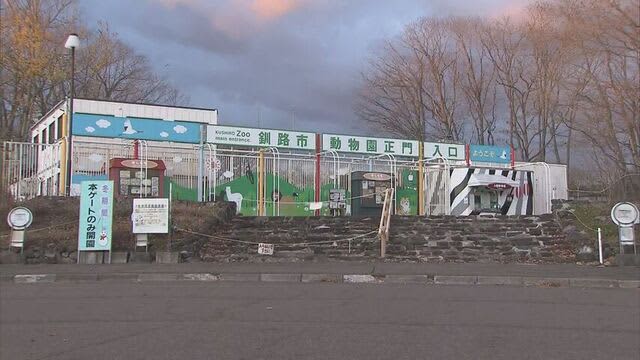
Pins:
x: 55, y: 223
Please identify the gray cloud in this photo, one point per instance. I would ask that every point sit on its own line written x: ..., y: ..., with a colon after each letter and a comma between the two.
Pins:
x: 303, y: 64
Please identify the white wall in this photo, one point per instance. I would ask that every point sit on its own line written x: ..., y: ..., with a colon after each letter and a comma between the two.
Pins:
x: 203, y: 116
x: 546, y: 187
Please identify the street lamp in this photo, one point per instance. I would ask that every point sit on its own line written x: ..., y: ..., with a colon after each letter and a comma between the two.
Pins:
x: 73, y: 41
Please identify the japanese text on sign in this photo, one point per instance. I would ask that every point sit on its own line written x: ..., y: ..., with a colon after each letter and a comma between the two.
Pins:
x: 230, y: 135
x: 150, y: 216
x: 490, y: 154
x: 96, y: 214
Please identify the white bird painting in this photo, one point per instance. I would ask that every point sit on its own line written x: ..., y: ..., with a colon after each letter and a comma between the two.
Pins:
x: 128, y: 128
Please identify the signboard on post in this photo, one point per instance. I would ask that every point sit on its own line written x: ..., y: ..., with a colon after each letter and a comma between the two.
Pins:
x: 490, y: 154
x: 19, y: 218
x: 265, y: 249
x: 150, y: 216
x: 96, y: 215
x: 625, y: 214
x: 241, y: 136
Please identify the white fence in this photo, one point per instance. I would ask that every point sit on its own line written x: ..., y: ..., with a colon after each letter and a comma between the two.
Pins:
x: 30, y: 170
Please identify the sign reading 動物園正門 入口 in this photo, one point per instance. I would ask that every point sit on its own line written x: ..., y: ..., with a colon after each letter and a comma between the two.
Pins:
x: 395, y: 147
x: 240, y: 136
x: 96, y: 215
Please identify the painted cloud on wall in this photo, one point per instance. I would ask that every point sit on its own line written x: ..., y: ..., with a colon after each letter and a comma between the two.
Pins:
x: 89, y: 129
x: 95, y: 157
x: 164, y: 134
x: 102, y: 123
x: 179, y: 129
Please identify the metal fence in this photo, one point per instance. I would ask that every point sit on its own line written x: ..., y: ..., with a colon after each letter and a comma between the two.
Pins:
x: 30, y: 170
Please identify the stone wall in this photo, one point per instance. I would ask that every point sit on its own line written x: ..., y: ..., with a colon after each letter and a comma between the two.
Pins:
x: 430, y: 239
x: 478, y: 239
x: 322, y: 237
x: 210, y: 232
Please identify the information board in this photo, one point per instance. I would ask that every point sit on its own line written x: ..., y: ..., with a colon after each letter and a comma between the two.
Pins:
x: 150, y: 216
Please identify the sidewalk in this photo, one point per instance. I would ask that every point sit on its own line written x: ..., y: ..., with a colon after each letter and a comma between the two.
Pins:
x: 372, y: 272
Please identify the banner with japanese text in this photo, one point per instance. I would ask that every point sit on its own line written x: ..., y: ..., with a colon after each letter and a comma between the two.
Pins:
x: 241, y: 136
x: 369, y: 145
x: 96, y: 215
x: 454, y: 152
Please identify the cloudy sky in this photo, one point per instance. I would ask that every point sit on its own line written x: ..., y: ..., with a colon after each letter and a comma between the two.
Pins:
x: 274, y: 63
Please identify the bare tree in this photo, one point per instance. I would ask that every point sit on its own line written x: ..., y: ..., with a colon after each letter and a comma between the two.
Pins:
x: 410, y: 89
x: 109, y: 69
x: 608, y: 74
x: 477, y: 78
x: 34, y: 66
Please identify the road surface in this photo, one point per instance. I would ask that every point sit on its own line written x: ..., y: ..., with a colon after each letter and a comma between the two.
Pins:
x: 246, y: 320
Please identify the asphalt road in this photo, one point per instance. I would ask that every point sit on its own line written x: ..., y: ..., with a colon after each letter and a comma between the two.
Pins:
x: 171, y: 320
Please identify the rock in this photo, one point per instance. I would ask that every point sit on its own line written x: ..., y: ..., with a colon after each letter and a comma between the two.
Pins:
x: 585, y: 254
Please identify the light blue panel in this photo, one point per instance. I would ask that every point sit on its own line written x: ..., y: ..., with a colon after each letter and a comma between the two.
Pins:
x: 96, y: 215
x: 490, y: 154
x: 135, y: 128
x: 79, y: 178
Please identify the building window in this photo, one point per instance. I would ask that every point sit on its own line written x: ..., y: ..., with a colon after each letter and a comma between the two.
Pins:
x: 44, y: 136
x: 60, y: 120
x: 52, y: 132
x: 36, y: 139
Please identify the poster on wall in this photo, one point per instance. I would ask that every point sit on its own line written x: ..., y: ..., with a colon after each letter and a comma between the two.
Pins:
x: 150, y: 216
x: 96, y: 216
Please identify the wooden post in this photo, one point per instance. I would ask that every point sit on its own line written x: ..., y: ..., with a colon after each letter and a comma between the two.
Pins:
x: 385, y: 221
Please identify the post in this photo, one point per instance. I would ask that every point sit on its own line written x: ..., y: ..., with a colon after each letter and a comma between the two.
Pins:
x: 260, y: 182
x: 170, y: 219
x: 201, y: 164
x: 317, y: 174
x: 467, y: 154
x: 421, y: 178
x: 70, y: 126
x: 600, y: 245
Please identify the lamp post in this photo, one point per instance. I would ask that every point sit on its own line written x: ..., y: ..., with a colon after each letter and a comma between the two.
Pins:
x: 72, y: 43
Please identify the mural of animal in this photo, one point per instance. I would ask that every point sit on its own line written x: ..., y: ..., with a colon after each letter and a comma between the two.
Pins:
x: 128, y: 128
x: 234, y: 197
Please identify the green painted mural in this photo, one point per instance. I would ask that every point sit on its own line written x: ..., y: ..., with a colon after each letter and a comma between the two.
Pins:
x: 294, y: 201
x: 179, y: 192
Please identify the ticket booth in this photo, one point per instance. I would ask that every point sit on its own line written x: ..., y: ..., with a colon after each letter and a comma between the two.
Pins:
x: 367, y: 189
x: 133, y: 177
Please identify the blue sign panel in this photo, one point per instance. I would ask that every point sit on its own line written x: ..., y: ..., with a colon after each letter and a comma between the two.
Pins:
x: 109, y: 126
x: 490, y: 154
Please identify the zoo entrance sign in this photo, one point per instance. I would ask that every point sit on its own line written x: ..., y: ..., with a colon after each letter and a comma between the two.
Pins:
x: 252, y: 137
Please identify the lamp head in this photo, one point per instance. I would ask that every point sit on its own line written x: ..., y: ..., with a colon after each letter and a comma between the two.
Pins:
x: 73, y: 41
